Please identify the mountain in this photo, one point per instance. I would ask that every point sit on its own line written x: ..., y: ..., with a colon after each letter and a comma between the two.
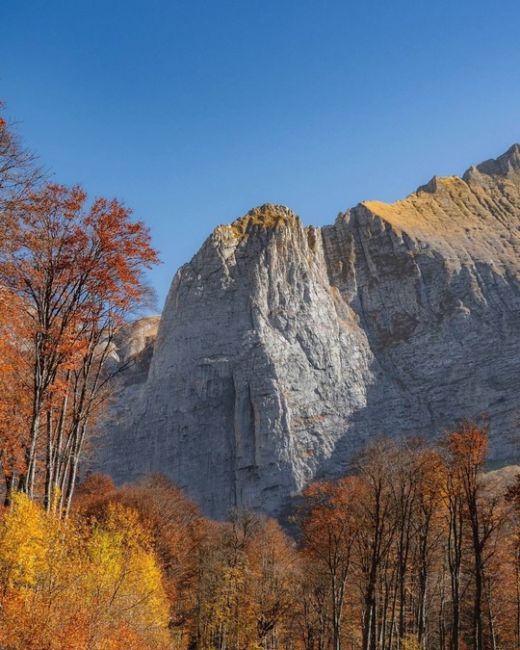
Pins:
x: 282, y: 349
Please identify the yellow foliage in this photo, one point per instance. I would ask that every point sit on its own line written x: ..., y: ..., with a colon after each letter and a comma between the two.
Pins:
x: 124, y: 572
x: 23, y: 544
x: 410, y: 642
x: 66, y: 586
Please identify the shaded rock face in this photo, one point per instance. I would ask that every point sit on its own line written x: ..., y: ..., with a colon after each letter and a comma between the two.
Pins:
x: 282, y: 348
x: 132, y: 351
x: 128, y: 365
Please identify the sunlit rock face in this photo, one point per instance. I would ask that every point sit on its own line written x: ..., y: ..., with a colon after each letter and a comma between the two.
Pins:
x: 282, y: 348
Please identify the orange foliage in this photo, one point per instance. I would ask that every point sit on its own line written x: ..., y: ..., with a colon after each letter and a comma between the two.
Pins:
x: 71, y: 272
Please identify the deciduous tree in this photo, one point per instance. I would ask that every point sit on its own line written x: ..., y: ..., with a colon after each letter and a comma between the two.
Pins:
x: 76, y: 272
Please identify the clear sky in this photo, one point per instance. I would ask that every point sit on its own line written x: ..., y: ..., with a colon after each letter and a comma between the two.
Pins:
x: 193, y: 112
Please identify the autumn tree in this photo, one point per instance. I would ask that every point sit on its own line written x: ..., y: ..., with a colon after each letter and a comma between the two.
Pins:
x: 66, y: 584
x: 274, y: 572
x: 427, y: 520
x: 467, y: 450
x: 246, y: 581
x: 176, y: 532
x: 377, y: 525
x: 18, y: 176
x: 329, y: 534
x: 313, y: 605
x: 76, y: 271
x: 18, y: 170
x: 513, y: 498
x: 15, y: 403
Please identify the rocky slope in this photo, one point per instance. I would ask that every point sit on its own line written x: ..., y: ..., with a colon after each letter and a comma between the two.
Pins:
x: 283, y: 348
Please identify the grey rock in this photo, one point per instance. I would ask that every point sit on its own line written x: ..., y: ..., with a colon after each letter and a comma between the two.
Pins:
x: 283, y: 349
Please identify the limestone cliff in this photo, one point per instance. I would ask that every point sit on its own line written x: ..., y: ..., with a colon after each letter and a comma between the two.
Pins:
x: 283, y: 348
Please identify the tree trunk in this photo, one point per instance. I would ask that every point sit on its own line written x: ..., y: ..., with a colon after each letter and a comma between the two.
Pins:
x: 9, y: 484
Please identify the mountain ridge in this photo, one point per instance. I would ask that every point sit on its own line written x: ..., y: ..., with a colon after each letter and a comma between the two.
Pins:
x: 283, y: 348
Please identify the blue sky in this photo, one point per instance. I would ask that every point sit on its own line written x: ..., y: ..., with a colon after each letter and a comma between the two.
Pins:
x: 193, y: 112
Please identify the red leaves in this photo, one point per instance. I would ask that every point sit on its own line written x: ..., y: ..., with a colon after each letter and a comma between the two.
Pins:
x: 73, y: 262
x: 76, y: 271
x: 468, y: 445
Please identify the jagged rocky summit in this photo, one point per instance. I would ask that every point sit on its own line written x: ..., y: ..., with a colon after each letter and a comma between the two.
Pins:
x: 283, y: 349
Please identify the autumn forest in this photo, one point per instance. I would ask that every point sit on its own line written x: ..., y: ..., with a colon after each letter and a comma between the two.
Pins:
x: 417, y: 548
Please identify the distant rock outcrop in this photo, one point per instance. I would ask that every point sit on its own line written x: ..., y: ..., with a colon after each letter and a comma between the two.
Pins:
x: 282, y: 348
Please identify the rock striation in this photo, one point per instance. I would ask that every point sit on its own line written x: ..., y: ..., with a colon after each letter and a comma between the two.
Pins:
x: 283, y: 348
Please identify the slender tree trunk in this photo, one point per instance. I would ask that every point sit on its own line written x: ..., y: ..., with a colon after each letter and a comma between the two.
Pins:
x: 368, y: 618
x: 58, y: 448
x: 80, y: 438
x: 27, y: 482
x: 384, y: 616
x: 10, y: 479
x: 421, y: 611
x: 477, y: 608
x: 29, y: 478
x: 442, y: 607
x: 471, y: 488
x: 337, y: 605
x: 392, y: 618
x: 491, y: 618
x: 454, y: 560
x: 49, y: 463
x: 455, y: 612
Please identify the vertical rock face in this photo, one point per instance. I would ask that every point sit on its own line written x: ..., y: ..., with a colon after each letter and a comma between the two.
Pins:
x: 282, y: 348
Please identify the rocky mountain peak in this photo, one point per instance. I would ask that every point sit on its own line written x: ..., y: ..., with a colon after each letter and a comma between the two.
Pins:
x: 265, y: 217
x: 506, y: 165
x: 438, y: 184
x: 282, y: 350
